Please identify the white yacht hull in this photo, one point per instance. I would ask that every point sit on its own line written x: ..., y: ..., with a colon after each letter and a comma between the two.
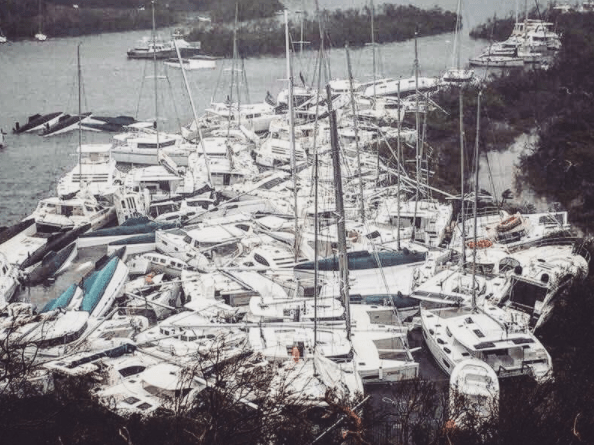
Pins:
x: 145, y: 156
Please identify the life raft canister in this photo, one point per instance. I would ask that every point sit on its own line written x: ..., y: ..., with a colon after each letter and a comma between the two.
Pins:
x: 480, y: 244
x: 508, y: 224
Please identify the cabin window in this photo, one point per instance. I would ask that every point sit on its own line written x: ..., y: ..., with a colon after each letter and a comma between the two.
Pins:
x: 89, y: 208
x: 144, y: 406
x: 478, y: 333
x: 67, y: 210
x: 447, y: 350
x: 508, y: 264
x: 260, y: 259
x: 373, y: 235
x: 448, y: 332
x: 440, y: 341
x: 187, y: 239
x: 131, y: 400
x: 243, y: 227
x: 163, y: 261
x: 445, y: 362
x: 131, y: 370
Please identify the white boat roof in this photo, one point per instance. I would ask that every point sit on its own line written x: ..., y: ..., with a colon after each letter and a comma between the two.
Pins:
x: 216, y: 234
x: 479, y: 332
x: 94, y: 148
x: 152, y: 173
x: 166, y: 376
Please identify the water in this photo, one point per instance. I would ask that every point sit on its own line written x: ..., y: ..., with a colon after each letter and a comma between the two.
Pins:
x: 41, y: 77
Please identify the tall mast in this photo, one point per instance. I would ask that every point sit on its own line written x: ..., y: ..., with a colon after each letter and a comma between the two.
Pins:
x: 292, y: 133
x: 373, y: 49
x: 340, y: 223
x: 356, y: 127
x: 476, y: 178
x: 79, y: 116
x: 316, y: 176
x: 155, y: 73
x: 233, y: 62
x: 417, y: 157
x: 462, y: 215
x: 183, y: 70
x: 398, y: 150
x: 457, y: 36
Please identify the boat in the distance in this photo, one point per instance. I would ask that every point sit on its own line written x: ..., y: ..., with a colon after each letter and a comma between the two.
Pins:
x: 497, y: 61
x: 198, y: 62
x: 148, y: 49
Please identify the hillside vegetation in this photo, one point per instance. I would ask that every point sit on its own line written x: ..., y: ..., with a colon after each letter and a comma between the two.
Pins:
x: 392, y: 23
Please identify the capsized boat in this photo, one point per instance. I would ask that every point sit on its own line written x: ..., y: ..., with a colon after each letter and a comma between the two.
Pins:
x: 65, y: 124
x: 102, y: 287
x: 106, y: 123
x: 52, y: 264
x: 68, y: 299
x: 130, y: 228
x: 37, y: 122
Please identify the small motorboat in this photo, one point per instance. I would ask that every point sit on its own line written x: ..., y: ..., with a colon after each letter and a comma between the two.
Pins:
x: 198, y: 62
x: 497, y: 61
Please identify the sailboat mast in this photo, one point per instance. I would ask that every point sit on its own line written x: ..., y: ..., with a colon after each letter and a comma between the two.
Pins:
x: 155, y: 74
x: 233, y: 68
x: 185, y: 77
x: 476, y: 178
x: 417, y: 123
x: 356, y: 128
x: 340, y: 223
x: 373, y: 50
x: 398, y: 150
x: 462, y: 213
x: 79, y: 116
x: 292, y: 133
x: 316, y: 177
x: 457, y: 36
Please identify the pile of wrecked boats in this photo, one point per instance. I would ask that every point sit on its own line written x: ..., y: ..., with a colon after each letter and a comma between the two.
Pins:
x: 231, y: 243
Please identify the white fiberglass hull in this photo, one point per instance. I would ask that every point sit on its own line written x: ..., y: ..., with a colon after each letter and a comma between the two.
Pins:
x: 145, y: 156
